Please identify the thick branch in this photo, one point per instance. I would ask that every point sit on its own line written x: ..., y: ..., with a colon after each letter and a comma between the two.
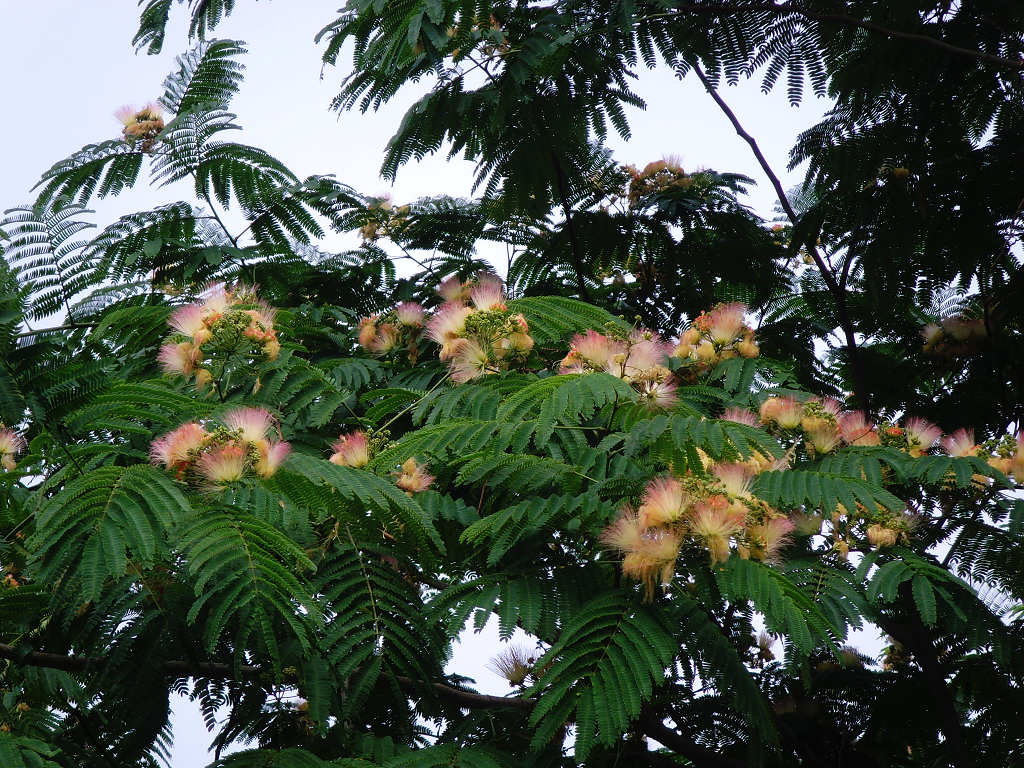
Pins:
x: 457, y: 696
x: 701, y: 757
x: 916, y: 638
x: 834, y: 288
x: 718, y: 9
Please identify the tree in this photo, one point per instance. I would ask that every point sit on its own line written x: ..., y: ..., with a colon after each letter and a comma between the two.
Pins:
x: 676, y: 442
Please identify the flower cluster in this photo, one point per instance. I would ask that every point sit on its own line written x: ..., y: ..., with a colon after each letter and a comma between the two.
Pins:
x: 656, y: 177
x: 384, y: 220
x: 215, y: 454
x: 228, y: 324
x: 141, y: 124
x: 351, y: 450
x: 954, y: 336
x: 412, y: 478
x: 1004, y: 454
x: 355, y: 449
x: 477, y: 332
x: 637, y: 357
x: 715, y: 512
x: 399, y: 329
x: 11, y: 444
x: 716, y: 335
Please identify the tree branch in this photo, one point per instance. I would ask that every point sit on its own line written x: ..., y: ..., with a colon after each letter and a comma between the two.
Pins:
x: 209, y: 669
x: 837, y: 292
x: 570, y: 225
x: 701, y: 757
x: 718, y: 9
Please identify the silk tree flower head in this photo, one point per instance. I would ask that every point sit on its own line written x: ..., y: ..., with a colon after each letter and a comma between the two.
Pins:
x: 921, y: 435
x: 637, y: 357
x: 413, y: 477
x: 410, y: 313
x: 177, y: 449
x: 142, y: 124
x: 769, y: 538
x: 514, y: 663
x: 880, y: 536
x: 650, y: 553
x: 488, y: 294
x: 271, y: 455
x: 656, y: 388
x: 784, y: 412
x: 351, y: 450
x: 714, y: 521
x: 481, y: 337
x: 960, y: 444
x: 447, y: 327
x: 217, y: 454
x: 592, y: 351
x: 665, y: 500
x: 226, y: 324
x: 470, y: 361
x: 11, y: 444
x: 251, y: 424
x: 454, y: 291
x: 740, y: 416
x: 716, y: 335
x: 855, y: 429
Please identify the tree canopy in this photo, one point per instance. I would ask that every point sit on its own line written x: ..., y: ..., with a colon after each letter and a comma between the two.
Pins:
x: 684, y: 451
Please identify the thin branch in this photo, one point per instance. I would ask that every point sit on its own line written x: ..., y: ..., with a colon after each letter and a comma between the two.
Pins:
x: 837, y: 292
x: 718, y: 9
x: 55, y: 329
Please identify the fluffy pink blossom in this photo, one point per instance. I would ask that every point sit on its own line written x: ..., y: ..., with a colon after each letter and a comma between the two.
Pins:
x: 921, y: 435
x: 413, y: 478
x: 351, y: 450
x: 252, y: 423
x: 645, y: 351
x: 596, y: 349
x: 725, y: 322
x: 784, y: 411
x: 367, y: 331
x: 271, y: 456
x: 470, y: 360
x: 447, y: 324
x: 216, y: 300
x: 187, y: 319
x: 772, y: 536
x: 180, y: 358
x: 625, y: 533
x: 855, y: 429
x: 657, y: 393
x: 740, y: 416
x: 735, y: 478
x: 715, y: 526
x: 488, y: 293
x: 11, y: 444
x: 960, y: 443
x: 453, y: 290
x: 824, y: 438
x: 224, y: 464
x: 385, y: 340
x: 665, y: 500
x: 178, y: 446
x: 410, y: 313
x: 931, y: 334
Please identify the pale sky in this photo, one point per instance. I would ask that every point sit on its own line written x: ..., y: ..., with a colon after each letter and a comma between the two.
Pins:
x: 68, y: 64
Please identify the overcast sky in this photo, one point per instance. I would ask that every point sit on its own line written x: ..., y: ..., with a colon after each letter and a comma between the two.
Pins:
x: 68, y: 64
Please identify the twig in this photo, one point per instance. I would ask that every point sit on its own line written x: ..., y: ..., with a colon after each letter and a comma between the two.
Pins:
x: 837, y: 292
